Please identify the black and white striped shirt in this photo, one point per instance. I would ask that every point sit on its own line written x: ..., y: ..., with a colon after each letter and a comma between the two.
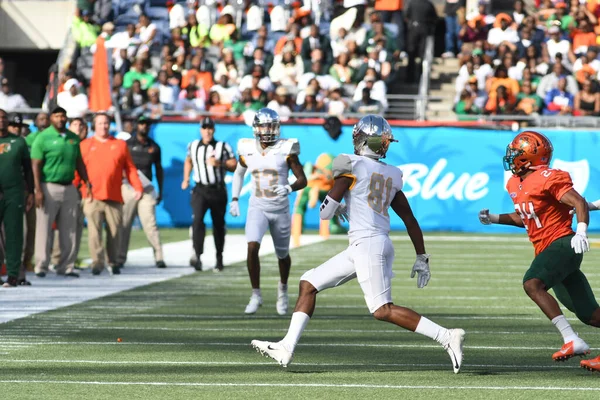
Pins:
x: 199, y: 153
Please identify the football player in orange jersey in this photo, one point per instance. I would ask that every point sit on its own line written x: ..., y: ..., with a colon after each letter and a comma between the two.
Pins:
x: 543, y: 200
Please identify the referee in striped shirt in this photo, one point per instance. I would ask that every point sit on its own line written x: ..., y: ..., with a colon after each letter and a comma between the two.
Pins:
x: 209, y: 160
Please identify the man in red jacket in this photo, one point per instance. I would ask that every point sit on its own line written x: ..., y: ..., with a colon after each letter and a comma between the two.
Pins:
x: 107, y: 160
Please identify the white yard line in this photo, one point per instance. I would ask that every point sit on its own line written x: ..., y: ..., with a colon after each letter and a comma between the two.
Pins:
x: 55, y: 292
x: 238, y: 344
x: 137, y: 362
x: 307, y: 385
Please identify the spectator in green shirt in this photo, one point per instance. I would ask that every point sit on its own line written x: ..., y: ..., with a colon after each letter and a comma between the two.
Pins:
x: 466, y: 107
x: 236, y: 45
x: 138, y: 73
x: 246, y: 103
x: 14, y: 164
x: 528, y: 102
x: 55, y: 158
x: 567, y: 22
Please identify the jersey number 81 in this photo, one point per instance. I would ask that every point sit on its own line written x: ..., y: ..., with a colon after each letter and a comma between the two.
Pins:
x: 377, y: 186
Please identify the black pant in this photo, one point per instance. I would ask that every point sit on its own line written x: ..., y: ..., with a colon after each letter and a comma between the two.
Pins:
x: 417, y: 38
x: 215, y: 199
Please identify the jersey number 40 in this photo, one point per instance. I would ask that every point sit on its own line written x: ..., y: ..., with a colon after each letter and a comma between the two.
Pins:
x: 378, y: 185
x: 529, y: 214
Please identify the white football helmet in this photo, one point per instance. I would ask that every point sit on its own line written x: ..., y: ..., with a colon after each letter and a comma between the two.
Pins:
x: 372, y: 136
x: 266, y: 125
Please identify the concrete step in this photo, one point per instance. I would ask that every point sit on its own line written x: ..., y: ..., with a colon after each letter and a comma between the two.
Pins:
x: 444, y: 106
x: 448, y: 62
x: 441, y: 93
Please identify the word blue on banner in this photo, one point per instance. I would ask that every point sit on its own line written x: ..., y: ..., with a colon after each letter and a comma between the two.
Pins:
x: 449, y: 173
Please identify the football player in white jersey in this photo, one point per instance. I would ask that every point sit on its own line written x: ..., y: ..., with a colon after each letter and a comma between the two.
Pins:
x: 269, y: 160
x: 369, y: 187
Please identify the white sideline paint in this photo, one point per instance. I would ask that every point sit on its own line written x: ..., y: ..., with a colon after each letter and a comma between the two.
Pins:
x: 137, y: 362
x: 238, y: 344
x: 54, y: 292
x: 308, y: 385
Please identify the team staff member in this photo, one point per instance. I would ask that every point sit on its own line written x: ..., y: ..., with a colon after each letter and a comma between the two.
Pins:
x: 15, y: 165
x: 16, y: 126
x: 42, y: 121
x: 55, y: 156
x: 145, y: 153
x: 80, y: 128
x: 107, y: 160
x: 210, y: 160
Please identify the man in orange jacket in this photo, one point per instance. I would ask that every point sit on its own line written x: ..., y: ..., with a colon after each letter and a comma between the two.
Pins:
x: 107, y: 160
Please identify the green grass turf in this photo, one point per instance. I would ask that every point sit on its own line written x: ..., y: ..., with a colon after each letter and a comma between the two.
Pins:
x: 192, y: 331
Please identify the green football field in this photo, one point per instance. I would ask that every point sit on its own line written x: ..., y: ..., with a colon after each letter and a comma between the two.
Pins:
x: 188, y: 337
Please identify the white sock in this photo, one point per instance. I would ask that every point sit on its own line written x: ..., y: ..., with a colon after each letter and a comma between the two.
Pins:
x: 256, y: 292
x: 434, y: 331
x: 282, y: 287
x: 297, y: 325
x: 564, y: 328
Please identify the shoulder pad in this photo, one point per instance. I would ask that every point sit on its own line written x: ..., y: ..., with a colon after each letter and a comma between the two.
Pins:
x: 289, y: 146
x: 245, y: 146
x: 342, y: 165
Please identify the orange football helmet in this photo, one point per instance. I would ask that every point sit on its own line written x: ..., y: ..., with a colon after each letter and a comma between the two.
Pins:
x: 528, y: 150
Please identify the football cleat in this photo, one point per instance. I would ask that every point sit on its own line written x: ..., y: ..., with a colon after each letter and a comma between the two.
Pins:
x: 591, y: 365
x: 253, y: 304
x: 282, y: 302
x: 574, y: 348
x: 454, y: 347
x: 277, y: 351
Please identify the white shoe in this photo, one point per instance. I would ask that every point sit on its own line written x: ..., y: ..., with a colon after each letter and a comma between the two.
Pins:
x: 282, y: 302
x: 253, y: 304
x: 448, y: 54
x: 454, y: 347
x: 276, y: 351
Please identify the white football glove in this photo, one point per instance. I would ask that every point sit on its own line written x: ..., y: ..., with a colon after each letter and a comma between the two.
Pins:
x: 484, y: 217
x: 281, y: 190
x: 421, y: 268
x: 234, y: 208
x: 580, y: 242
x: 342, y: 213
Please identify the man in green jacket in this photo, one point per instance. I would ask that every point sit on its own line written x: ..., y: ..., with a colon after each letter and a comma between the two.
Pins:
x: 15, y: 165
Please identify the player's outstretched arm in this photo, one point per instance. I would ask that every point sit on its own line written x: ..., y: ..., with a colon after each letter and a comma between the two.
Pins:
x: 401, y: 207
x: 331, y: 205
x: 503, y: 219
x: 594, y: 205
x: 579, y: 242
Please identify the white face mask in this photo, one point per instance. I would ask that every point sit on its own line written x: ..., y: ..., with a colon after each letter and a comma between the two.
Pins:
x: 526, y: 42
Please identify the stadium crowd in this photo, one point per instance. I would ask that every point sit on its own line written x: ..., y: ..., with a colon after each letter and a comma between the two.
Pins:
x: 542, y: 62
x: 222, y: 60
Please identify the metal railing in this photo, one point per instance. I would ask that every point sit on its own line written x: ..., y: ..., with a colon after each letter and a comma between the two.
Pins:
x: 421, y: 106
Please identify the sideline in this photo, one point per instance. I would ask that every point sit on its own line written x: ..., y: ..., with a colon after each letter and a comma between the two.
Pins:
x: 54, y: 292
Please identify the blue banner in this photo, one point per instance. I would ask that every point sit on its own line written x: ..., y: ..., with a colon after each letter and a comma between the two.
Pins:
x: 449, y: 173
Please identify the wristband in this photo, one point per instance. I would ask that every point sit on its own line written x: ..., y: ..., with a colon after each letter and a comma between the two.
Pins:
x: 582, y: 228
x: 594, y: 205
x: 494, y: 218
